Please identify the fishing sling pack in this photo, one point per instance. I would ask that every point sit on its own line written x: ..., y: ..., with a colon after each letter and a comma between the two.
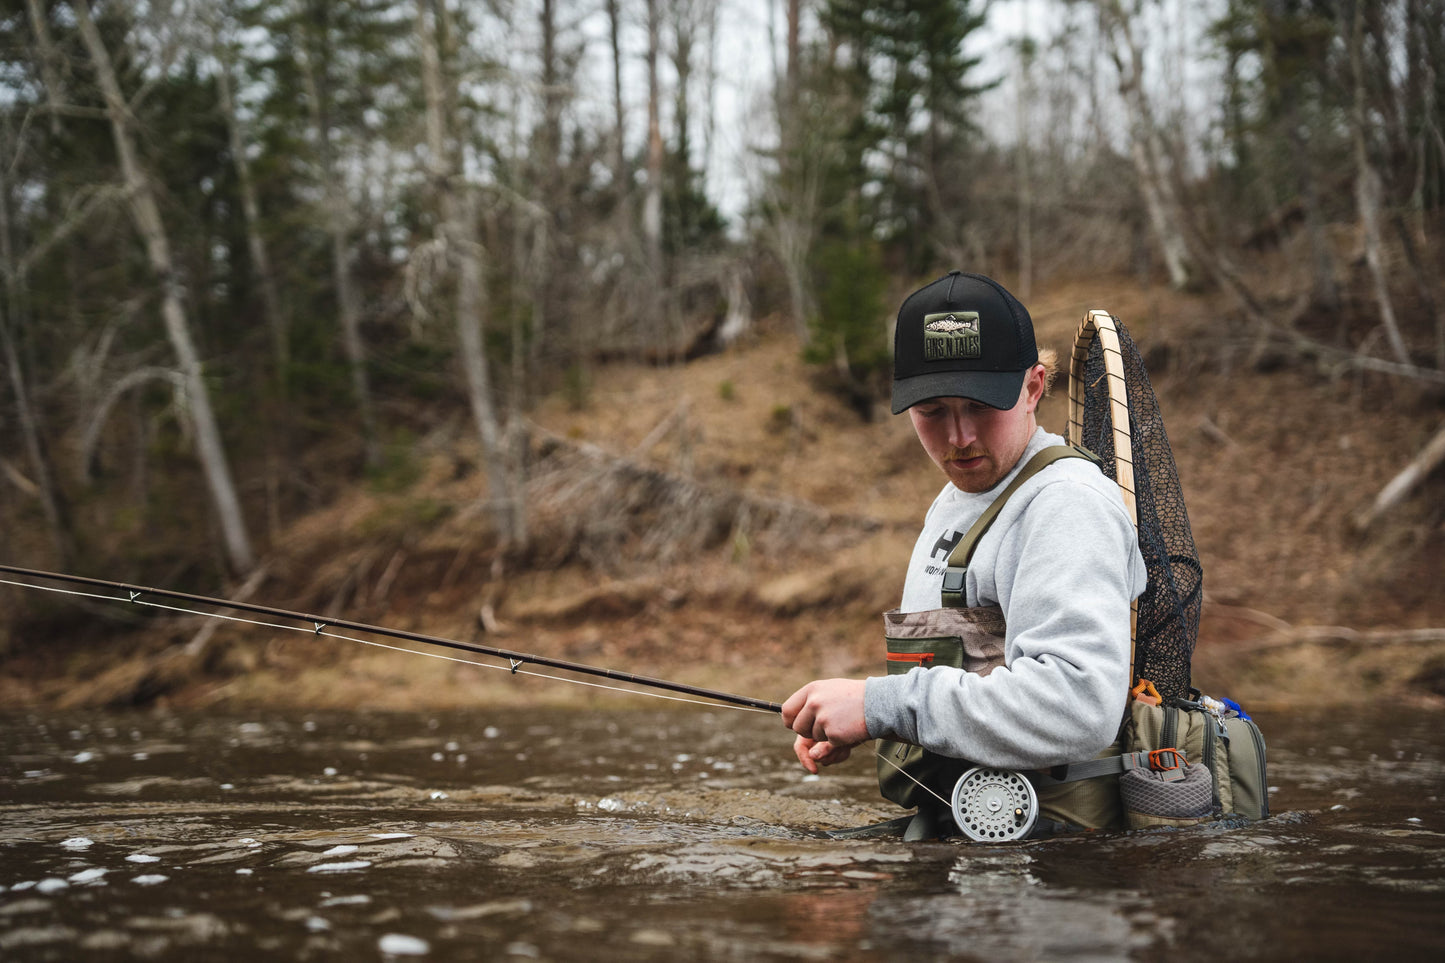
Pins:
x: 1181, y: 757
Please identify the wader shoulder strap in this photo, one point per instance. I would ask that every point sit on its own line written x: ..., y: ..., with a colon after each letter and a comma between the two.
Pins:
x: 958, y: 559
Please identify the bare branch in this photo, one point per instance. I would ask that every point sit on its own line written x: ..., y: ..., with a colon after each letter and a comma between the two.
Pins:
x: 90, y: 435
x: 93, y: 201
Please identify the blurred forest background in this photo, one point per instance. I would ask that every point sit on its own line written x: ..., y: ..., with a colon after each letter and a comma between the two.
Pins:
x: 568, y: 321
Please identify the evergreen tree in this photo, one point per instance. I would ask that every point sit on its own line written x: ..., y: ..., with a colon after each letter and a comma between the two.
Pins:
x: 909, y: 76
x: 877, y: 159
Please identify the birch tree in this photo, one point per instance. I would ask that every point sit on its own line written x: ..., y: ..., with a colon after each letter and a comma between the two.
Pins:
x: 621, y: 170
x: 1146, y: 147
x: 652, y: 199
x: 791, y: 207
x: 1368, y: 186
x: 145, y: 213
x: 460, y: 242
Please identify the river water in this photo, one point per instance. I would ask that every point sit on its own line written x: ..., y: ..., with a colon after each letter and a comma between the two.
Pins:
x: 609, y: 834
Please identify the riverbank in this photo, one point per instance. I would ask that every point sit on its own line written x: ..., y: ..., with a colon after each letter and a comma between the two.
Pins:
x: 727, y: 523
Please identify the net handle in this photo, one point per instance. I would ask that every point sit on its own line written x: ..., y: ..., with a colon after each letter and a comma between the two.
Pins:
x: 1100, y: 325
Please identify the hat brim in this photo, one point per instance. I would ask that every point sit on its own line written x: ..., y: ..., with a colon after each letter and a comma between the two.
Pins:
x: 997, y: 389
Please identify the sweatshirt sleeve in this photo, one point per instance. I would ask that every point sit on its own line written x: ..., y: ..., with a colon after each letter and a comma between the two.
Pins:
x: 1065, y: 573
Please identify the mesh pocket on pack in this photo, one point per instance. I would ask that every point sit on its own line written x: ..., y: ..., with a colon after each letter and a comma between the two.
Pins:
x: 1150, y: 800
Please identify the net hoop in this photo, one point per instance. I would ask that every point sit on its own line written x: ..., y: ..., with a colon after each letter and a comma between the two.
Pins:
x: 1100, y: 325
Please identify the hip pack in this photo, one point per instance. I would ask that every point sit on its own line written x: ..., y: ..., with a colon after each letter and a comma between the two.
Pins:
x: 1219, y: 771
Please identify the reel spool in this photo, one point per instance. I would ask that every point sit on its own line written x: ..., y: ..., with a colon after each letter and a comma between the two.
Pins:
x: 994, y: 805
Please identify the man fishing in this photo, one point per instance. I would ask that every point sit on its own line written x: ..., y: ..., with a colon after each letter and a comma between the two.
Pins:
x: 1017, y: 656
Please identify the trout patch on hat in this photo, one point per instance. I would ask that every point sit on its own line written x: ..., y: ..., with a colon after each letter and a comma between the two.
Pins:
x: 951, y: 335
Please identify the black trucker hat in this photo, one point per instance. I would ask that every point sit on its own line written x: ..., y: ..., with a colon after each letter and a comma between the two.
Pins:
x: 963, y: 336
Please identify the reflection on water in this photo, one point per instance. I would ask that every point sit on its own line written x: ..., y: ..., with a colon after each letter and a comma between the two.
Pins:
x: 572, y: 835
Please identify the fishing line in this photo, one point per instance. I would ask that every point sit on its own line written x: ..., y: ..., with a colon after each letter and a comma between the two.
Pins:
x: 879, y: 754
x: 515, y: 659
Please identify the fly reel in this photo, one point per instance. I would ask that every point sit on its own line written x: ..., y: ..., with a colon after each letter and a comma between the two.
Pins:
x: 994, y: 805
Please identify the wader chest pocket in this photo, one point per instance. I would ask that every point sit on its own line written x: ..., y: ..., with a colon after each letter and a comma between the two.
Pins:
x: 903, y: 661
x: 906, y: 654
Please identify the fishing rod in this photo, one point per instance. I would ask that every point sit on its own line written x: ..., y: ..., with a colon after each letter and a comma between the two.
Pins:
x: 137, y: 594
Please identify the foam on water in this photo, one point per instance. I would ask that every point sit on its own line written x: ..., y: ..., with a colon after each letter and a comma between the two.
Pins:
x: 399, y: 944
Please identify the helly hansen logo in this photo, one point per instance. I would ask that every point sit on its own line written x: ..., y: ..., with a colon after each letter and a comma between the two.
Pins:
x: 945, y: 545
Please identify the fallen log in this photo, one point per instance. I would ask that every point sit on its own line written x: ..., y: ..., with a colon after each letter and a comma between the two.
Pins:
x: 1406, y: 481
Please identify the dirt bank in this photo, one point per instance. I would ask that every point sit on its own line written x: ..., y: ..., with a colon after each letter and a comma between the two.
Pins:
x: 639, y: 561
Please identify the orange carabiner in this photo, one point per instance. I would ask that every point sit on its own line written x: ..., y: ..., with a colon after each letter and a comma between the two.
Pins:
x: 1167, y: 759
x: 1146, y: 693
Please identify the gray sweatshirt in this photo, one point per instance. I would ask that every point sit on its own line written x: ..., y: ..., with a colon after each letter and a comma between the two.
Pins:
x: 1062, y: 561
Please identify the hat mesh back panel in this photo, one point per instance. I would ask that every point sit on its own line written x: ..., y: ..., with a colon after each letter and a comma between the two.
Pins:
x: 1168, y: 621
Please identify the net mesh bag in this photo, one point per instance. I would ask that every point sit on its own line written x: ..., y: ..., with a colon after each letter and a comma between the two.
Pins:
x: 1167, y: 625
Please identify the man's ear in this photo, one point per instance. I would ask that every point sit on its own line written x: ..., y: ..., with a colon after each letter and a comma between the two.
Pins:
x: 1034, y: 384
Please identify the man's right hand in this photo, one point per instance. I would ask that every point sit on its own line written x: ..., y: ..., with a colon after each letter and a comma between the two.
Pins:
x: 827, y: 715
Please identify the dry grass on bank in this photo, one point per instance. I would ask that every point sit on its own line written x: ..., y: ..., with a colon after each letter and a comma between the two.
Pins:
x: 724, y: 523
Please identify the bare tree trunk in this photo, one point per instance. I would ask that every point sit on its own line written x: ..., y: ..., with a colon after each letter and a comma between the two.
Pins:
x: 1146, y: 149
x: 49, y: 75
x: 1026, y: 196
x: 684, y: 25
x: 548, y: 164
x: 710, y: 75
x: 1368, y: 191
x: 794, y: 67
x: 1322, y: 262
x: 463, y: 244
x: 621, y: 174
x: 52, y: 503
x: 146, y: 215
x: 336, y: 227
x: 255, y: 244
x: 791, y: 225
x: 652, y: 200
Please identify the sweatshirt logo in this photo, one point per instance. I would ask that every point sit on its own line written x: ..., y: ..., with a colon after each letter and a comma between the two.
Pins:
x: 945, y: 545
x: 951, y: 335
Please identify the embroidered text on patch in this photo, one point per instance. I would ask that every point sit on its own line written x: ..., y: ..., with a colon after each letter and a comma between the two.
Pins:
x: 951, y: 335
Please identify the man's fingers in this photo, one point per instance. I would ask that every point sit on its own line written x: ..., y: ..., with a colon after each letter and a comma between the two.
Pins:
x: 803, y: 749
x: 799, y: 711
x: 828, y: 754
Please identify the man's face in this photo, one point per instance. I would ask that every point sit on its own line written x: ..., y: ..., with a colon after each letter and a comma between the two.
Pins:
x: 975, y: 445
